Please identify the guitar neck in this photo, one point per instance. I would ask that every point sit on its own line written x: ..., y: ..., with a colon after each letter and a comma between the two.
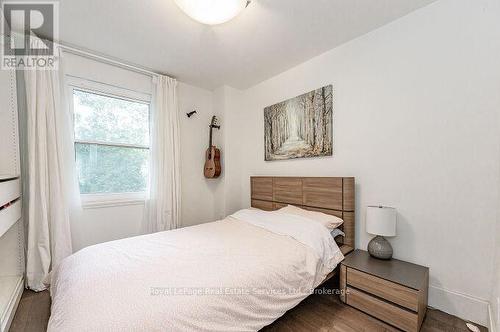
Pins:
x: 210, y: 140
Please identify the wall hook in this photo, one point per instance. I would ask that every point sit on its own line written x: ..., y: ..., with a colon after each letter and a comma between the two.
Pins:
x: 190, y: 114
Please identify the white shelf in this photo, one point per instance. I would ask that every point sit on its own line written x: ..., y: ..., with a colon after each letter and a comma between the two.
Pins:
x: 11, y: 289
x: 6, y: 177
x: 9, y: 191
x: 9, y: 217
x: 11, y: 226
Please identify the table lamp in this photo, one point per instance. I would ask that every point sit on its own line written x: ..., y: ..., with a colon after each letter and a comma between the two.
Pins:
x: 381, y: 221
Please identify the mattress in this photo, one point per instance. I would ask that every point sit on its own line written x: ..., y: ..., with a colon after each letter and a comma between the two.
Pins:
x: 236, y: 274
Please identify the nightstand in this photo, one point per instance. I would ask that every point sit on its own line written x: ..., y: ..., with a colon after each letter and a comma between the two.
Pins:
x: 393, y: 291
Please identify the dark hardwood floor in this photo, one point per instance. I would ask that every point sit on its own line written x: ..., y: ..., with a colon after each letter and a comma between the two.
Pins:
x: 33, y: 312
x: 316, y: 313
x: 327, y: 313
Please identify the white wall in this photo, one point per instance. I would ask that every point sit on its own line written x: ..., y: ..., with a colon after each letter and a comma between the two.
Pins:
x: 198, y: 193
x: 219, y: 101
x: 495, y: 295
x: 106, y: 223
x: 226, y: 105
x: 416, y: 122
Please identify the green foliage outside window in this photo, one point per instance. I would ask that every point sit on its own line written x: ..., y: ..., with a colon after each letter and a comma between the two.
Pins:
x: 112, y: 139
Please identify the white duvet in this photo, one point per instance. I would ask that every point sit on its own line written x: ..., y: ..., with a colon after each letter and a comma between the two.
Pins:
x: 237, y: 274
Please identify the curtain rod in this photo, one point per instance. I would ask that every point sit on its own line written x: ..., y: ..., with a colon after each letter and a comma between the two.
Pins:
x: 103, y: 58
x: 108, y: 60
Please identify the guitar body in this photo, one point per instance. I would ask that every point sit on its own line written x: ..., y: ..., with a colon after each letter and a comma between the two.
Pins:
x: 212, y: 167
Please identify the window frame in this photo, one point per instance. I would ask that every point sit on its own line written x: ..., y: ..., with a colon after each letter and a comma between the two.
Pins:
x: 99, y: 200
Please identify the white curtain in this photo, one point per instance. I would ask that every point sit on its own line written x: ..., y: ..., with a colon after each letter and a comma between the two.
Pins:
x: 164, y: 205
x: 50, y: 181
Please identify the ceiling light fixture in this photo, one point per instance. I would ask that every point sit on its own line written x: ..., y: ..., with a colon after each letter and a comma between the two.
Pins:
x: 212, y: 12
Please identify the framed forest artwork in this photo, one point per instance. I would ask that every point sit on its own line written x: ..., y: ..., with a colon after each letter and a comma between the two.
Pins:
x: 300, y: 127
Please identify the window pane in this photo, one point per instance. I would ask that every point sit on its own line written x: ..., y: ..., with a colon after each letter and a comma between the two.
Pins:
x: 108, y: 119
x: 109, y: 169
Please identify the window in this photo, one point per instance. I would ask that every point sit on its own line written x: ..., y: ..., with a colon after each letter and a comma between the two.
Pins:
x: 111, y: 143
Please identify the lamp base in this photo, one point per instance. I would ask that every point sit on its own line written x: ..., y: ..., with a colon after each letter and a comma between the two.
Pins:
x: 380, y: 248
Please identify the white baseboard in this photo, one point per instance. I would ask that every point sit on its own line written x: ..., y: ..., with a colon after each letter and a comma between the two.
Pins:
x: 461, y: 305
x: 492, y: 326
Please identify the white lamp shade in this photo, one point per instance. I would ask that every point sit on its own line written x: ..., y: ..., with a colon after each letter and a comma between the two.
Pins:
x: 381, y: 220
x: 212, y: 12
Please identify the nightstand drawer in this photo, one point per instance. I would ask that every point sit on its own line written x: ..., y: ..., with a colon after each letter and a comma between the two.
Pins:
x: 403, y: 296
x: 392, y: 314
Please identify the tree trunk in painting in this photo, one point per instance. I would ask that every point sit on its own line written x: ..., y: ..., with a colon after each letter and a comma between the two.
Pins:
x: 300, y: 127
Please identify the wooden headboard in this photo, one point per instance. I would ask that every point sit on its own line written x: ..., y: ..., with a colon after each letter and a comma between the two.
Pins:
x: 330, y: 195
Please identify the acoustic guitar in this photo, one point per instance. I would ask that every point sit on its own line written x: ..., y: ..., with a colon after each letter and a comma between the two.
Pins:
x: 212, y: 167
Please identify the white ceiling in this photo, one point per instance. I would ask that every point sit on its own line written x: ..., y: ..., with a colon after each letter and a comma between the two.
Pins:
x: 269, y: 37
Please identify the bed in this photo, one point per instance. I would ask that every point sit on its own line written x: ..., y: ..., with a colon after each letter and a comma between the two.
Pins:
x: 236, y: 274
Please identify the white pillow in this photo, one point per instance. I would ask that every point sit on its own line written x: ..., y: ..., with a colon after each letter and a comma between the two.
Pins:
x: 327, y: 220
